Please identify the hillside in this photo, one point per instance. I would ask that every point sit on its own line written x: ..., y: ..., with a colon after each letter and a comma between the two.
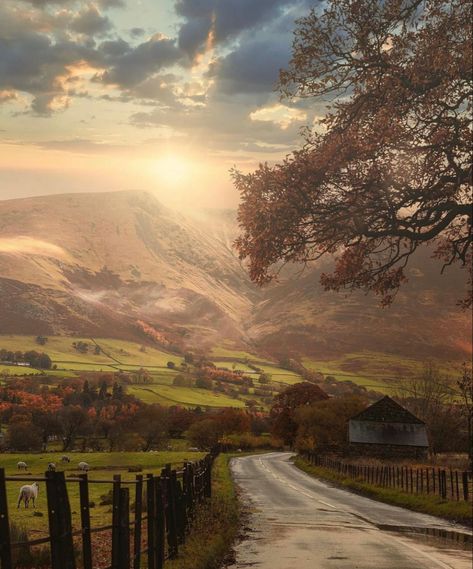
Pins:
x: 98, y: 264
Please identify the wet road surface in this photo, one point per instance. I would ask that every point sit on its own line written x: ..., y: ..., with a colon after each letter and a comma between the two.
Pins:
x: 299, y: 522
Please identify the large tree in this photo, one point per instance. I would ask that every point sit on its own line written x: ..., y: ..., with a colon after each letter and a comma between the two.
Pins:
x: 389, y: 166
x: 286, y: 403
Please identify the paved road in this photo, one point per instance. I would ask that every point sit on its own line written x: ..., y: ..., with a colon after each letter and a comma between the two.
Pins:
x: 298, y: 522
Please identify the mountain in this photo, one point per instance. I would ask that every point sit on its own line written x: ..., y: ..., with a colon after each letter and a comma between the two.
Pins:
x: 121, y: 264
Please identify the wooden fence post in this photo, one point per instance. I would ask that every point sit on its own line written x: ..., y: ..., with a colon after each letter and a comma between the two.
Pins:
x: 124, y: 529
x: 60, y: 525
x: 160, y: 524
x: 116, y: 521
x: 138, y: 521
x: 208, y: 479
x: 151, y: 510
x: 465, y: 485
x: 171, y: 512
x: 85, y: 521
x: 444, y: 484
x: 5, y: 543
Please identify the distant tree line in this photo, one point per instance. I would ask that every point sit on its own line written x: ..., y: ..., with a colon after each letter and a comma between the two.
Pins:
x: 35, y: 359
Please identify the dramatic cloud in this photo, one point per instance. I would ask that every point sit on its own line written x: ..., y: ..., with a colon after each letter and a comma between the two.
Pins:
x: 128, y: 66
x: 252, y: 68
x: 209, y: 81
x: 90, y: 22
x: 225, y: 19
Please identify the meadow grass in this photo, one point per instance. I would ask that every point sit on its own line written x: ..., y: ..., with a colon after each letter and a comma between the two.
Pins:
x: 233, y: 365
x: 223, y: 351
x: 60, y: 350
x: 426, y: 504
x: 187, y: 396
x: 18, y: 370
x: 280, y: 375
x: 103, y: 467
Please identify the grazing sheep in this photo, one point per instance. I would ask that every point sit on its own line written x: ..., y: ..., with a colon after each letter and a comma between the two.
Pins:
x: 83, y: 466
x: 52, y: 467
x: 65, y: 458
x: 22, y: 465
x: 27, y: 493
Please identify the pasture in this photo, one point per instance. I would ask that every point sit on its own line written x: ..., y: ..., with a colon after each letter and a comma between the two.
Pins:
x: 186, y: 396
x: 103, y: 467
x: 113, y: 352
x: 374, y: 370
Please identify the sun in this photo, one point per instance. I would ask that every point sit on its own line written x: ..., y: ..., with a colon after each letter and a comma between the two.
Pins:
x: 172, y: 169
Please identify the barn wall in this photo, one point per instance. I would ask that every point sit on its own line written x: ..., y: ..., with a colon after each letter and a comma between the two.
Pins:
x: 380, y: 433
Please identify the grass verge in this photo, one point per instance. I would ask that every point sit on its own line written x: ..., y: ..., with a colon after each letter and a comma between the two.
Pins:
x: 216, y: 524
x: 433, y: 505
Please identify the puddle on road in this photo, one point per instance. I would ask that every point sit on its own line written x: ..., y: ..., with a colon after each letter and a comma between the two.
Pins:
x: 442, y: 537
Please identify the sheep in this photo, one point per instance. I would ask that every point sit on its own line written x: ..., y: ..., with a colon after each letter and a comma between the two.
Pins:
x: 65, y: 458
x: 22, y: 465
x: 27, y: 493
x: 83, y: 466
x: 52, y: 467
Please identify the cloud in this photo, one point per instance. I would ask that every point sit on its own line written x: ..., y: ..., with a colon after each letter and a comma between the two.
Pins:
x: 44, y: 53
x: 137, y: 32
x: 227, y: 18
x: 105, y: 4
x: 91, y: 22
x: 132, y: 65
x: 253, y: 67
x: 279, y: 114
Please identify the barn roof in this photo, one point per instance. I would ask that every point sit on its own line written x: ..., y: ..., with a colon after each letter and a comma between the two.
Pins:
x: 386, y: 410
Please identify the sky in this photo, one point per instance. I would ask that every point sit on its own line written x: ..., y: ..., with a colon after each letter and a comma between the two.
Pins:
x: 158, y: 95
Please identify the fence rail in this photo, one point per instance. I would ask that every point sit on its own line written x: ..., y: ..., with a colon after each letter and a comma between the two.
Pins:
x: 448, y: 484
x: 163, y: 508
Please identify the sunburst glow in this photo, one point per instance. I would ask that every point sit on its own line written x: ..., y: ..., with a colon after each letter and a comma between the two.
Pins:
x: 172, y: 169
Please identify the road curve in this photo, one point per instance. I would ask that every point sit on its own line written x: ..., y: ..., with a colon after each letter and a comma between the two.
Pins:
x: 298, y: 522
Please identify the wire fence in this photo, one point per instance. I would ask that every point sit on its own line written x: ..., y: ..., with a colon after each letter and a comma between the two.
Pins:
x: 448, y: 484
x: 144, y: 534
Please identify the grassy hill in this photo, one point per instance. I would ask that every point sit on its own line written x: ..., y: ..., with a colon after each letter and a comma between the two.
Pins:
x: 98, y: 265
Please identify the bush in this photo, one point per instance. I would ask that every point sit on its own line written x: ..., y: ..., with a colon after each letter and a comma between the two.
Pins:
x: 24, y: 437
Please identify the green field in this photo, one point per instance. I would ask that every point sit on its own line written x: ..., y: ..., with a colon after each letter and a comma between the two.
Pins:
x: 186, y: 396
x: 114, y: 352
x: 233, y: 366
x: 225, y: 351
x: 17, y: 370
x: 280, y: 375
x: 103, y: 467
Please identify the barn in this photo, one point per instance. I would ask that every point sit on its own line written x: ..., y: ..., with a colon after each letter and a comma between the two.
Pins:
x: 387, y: 430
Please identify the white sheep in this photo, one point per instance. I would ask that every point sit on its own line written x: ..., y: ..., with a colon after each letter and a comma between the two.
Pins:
x: 65, y: 458
x: 22, y: 465
x: 52, y: 467
x: 83, y: 466
x: 27, y: 493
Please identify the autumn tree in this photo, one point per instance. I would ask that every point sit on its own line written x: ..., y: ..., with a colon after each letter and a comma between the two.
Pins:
x: 151, y: 423
x: 325, y: 423
x: 388, y: 168
x: 286, y: 403
x: 73, y: 421
x: 204, y: 434
x: 24, y: 436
